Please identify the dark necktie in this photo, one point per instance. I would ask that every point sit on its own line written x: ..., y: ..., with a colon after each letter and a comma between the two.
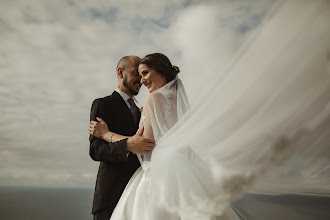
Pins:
x: 134, y: 110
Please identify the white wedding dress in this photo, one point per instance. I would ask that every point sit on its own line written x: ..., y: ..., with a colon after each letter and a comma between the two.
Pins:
x: 163, y: 108
x: 261, y: 126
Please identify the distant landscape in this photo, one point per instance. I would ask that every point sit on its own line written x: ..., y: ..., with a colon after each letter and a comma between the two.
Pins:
x: 75, y: 204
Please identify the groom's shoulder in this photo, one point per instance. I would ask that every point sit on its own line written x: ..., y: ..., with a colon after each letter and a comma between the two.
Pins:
x: 106, y: 100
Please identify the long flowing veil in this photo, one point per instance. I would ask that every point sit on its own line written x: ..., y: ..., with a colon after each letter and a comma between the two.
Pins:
x: 262, y: 126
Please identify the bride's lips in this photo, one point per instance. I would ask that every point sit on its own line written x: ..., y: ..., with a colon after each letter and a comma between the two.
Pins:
x: 147, y: 85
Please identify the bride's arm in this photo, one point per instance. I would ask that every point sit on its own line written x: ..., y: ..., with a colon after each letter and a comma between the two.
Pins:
x: 136, y: 144
x: 157, y: 117
x: 146, y: 124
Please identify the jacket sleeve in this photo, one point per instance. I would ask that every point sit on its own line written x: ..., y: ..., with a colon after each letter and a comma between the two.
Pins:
x: 100, y: 150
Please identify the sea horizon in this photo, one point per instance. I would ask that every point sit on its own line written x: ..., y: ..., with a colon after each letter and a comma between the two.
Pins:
x: 71, y: 203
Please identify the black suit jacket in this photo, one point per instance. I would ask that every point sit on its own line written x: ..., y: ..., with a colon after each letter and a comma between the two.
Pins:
x: 115, y: 168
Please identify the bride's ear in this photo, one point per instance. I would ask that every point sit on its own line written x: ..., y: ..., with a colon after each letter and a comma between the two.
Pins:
x: 120, y: 73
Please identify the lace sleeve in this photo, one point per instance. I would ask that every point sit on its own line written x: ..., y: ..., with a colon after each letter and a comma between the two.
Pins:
x: 159, y: 114
x: 145, y: 122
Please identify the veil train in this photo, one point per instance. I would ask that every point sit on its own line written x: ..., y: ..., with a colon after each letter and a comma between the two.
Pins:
x: 265, y: 126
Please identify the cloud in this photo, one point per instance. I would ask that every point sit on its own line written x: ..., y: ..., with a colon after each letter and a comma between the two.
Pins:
x: 57, y: 56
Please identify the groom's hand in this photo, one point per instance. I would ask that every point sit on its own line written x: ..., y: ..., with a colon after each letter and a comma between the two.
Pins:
x: 99, y: 129
x: 140, y: 145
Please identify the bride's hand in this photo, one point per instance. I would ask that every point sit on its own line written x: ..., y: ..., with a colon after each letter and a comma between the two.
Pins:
x: 99, y: 129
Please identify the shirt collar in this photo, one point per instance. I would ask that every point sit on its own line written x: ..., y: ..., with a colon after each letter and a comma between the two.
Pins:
x: 125, y: 96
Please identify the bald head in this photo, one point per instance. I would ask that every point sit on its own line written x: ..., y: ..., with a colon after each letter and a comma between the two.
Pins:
x: 128, y: 61
x: 128, y: 76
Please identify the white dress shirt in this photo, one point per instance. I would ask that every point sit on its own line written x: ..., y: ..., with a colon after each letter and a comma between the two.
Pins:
x: 126, y: 97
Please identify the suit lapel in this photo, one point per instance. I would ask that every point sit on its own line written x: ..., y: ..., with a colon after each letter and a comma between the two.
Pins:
x: 125, y: 108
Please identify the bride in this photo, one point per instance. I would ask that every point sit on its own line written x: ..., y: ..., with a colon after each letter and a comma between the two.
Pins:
x: 271, y: 106
x: 166, y: 104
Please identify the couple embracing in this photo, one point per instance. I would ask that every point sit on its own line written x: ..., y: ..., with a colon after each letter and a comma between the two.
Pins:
x: 122, y: 138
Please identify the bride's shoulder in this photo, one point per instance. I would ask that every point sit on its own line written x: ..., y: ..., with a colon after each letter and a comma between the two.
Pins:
x: 156, y: 97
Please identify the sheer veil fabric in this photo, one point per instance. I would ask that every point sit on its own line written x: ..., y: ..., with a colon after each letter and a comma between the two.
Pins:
x: 161, y: 111
x: 264, y: 128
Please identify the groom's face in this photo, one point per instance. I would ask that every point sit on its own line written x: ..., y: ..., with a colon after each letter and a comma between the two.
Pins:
x: 131, y: 79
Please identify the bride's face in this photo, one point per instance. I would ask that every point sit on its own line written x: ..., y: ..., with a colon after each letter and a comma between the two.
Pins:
x: 151, y: 78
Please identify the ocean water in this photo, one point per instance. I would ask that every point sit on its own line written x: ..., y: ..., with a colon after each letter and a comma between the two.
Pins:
x: 284, y: 207
x: 45, y: 204
x: 75, y: 204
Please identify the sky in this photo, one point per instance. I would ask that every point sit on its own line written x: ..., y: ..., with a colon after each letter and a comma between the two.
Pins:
x: 56, y: 57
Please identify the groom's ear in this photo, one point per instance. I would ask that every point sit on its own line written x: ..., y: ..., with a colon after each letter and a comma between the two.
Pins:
x: 120, y: 73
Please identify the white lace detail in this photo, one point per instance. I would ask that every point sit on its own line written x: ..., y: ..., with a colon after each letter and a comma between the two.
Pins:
x: 167, y: 106
x: 143, y: 117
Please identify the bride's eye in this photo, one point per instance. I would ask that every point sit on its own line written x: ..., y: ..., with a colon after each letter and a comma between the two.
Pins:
x: 144, y: 73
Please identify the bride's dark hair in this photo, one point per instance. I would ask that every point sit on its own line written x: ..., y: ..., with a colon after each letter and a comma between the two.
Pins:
x: 161, y: 64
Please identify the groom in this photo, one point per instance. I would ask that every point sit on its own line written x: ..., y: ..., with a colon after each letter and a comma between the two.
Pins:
x: 117, y: 163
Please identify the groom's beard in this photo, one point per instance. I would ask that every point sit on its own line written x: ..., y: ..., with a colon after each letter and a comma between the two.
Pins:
x: 129, y: 88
